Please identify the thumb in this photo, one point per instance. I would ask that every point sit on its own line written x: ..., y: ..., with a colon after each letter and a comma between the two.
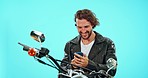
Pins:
x: 84, y: 55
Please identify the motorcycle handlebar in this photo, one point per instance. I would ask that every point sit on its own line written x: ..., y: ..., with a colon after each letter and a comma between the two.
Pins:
x: 25, y: 47
x: 45, y: 51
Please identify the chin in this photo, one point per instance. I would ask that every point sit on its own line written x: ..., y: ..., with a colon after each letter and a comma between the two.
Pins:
x: 85, y: 38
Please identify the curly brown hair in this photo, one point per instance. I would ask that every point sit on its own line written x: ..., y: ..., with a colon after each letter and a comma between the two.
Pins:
x: 88, y: 15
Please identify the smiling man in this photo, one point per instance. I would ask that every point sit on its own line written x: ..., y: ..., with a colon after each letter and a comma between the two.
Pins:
x: 96, y: 49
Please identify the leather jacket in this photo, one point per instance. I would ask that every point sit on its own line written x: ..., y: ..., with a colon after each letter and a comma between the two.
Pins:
x: 102, y: 49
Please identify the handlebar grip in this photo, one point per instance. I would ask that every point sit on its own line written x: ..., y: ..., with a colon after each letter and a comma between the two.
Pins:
x: 25, y: 47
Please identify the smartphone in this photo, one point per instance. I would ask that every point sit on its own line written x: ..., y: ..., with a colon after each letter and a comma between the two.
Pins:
x: 80, y: 53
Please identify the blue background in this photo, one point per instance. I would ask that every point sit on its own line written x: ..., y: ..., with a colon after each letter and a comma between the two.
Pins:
x: 124, y: 21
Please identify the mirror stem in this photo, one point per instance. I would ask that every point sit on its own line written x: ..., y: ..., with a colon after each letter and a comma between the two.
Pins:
x: 40, y: 42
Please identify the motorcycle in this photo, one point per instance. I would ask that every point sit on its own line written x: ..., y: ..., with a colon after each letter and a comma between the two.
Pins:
x: 70, y: 73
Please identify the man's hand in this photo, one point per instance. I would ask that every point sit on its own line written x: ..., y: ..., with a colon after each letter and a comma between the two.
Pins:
x: 81, y: 61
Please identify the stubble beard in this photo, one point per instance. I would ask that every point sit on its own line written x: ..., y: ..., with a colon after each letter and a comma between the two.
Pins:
x: 87, y: 32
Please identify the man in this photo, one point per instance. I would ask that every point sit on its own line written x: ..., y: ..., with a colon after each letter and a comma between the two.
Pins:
x: 96, y: 49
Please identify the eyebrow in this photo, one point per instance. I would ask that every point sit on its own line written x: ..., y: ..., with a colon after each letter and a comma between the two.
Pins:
x: 83, y: 26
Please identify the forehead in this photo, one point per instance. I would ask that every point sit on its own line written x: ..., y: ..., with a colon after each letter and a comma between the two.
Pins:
x: 82, y: 22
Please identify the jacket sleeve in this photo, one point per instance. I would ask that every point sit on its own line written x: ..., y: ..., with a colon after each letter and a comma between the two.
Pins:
x: 110, y: 53
x: 64, y: 64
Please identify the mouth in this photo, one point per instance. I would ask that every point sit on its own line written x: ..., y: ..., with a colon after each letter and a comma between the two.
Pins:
x: 84, y: 34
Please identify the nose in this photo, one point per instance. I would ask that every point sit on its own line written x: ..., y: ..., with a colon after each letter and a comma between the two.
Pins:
x: 83, y: 30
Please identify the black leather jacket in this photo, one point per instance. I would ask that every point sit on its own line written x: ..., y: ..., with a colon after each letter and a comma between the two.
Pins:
x: 102, y: 49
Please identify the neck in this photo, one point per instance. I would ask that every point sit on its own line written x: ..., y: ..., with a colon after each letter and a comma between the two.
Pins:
x: 90, y: 39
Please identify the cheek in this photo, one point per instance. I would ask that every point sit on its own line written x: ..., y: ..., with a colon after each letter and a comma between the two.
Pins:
x: 90, y: 29
x: 79, y: 30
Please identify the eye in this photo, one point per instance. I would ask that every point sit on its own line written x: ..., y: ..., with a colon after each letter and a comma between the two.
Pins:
x: 79, y: 27
x: 86, y: 26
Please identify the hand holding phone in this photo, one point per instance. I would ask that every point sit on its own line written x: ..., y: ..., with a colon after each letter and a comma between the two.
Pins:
x: 78, y: 53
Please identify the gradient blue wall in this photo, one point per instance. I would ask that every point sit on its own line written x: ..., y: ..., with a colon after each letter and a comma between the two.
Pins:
x: 124, y: 21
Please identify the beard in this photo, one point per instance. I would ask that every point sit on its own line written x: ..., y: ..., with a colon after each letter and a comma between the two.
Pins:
x: 85, y: 35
